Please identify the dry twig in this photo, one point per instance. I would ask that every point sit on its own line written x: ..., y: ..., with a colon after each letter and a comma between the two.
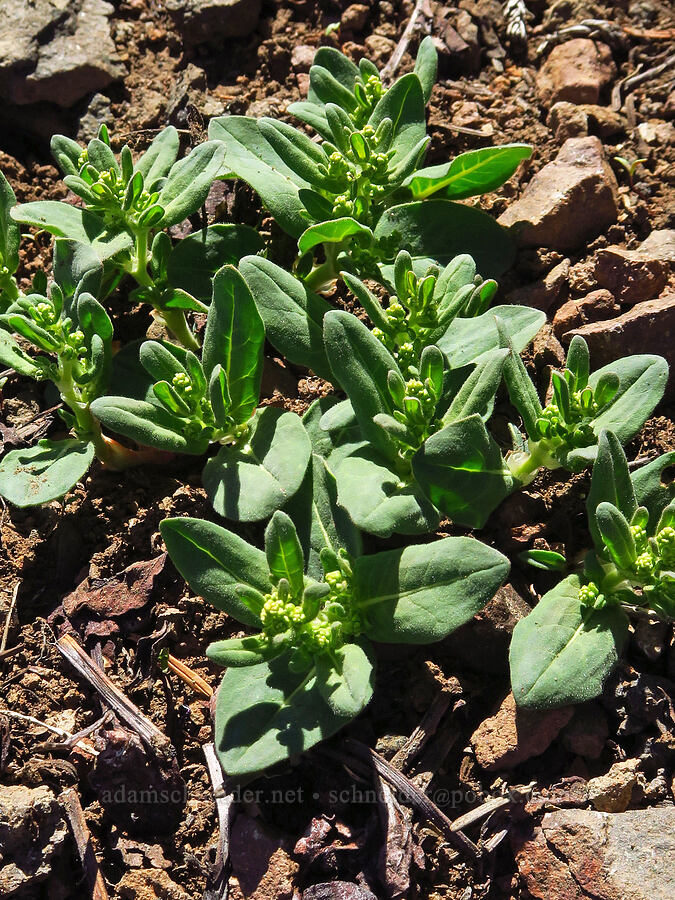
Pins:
x: 218, y: 887
x: 70, y: 801
x: 394, y: 61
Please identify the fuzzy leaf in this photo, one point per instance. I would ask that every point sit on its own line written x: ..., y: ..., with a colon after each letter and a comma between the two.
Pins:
x: 293, y: 315
x: 333, y: 232
x: 610, y: 483
x: 562, y: 652
x: 462, y: 471
x: 10, y: 234
x: 250, y: 156
x: 63, y: 220
x: 195, y: 260
x: 214, y: 561
x: 426, y: 66
x: 148, y: 424
x: 442, y: 229
x: 284, y: 553
x: 188, y: 183
x: 160, y: 156
x: 476, y: 396
x: 652, y: 489
x: 248, y: 484
x: 266, y: 713
x: 13, y: 357
x: 234, y: 339
x: 423, y: 592
x: 403, y: 103
x: 467, y: 339
x: 44, y: 472
x: 346, y: 677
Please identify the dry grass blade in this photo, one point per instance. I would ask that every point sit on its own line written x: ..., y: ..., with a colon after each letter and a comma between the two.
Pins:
x: 73, y: 808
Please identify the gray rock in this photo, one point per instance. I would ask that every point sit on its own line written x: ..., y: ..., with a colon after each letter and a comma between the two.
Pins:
x: 98, y: 111
x: 32, y: 835
x: 206, y: 21
x: 56, y: 52
x: 577, y: 854
x: 337, y: 890
x: 568, y: 202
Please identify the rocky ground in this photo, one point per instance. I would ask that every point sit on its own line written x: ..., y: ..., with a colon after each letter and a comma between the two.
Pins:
x: 582, y: 797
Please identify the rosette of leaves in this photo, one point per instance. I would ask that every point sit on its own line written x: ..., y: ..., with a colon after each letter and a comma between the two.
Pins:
x: 619, y: 397
x: 420, y: 388
x: 61, y: 335
x: 10, y: 237
x: 308, y: 668
x: 184, y: 405
x: 564, y: 649
x: 359, y: 193
x: 126, y: 208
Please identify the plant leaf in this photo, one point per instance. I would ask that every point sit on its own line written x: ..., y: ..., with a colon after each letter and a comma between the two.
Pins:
x: 63, y: 220
x: 160, y: 156
x: 403, y: 103
x: 333, y: 232
x: 44, y: 472
x: 250, y: 156
x: 234, y: 338
x: 195, y: 260
x: 469, y: 174
x: 462, y: 471
x: 249, y: 484
x: 467, y: 339
x: 292, y: 314
x: 284, y: 553
x: 650, y: 488
x: 247, y: 651
x: 188, y: 183
x: 345, y: 677
x: 266, y: 713
x: 476, y: 396
x: 562, y: 652
x: 361, y: 363
x: 610, y: 482
x: 13, y: 357
x: 10, y: 234
x: 148, y: 424
x: 376, y: 499
x: 214, y: 561
x: 442, y: 229
x: 423, y: 592
x: 426, y: 66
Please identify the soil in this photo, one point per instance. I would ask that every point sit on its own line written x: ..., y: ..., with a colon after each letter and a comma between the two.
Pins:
x: 111, y: 522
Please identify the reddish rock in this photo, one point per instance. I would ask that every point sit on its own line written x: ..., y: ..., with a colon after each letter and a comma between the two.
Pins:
x: 593, y: 307
x: 635, y: 275
x: 587, y: 733
x: 577, y: 854
x: 546, y: 292
x: 567, y: 120
x: 576, y: 71
x: 647, y: 327
x: 568, y: 202
x: 379, y: 48
x: 602, y: 120
x: 355, y: 17
x: 261, y: 861
x: 149, y: 884
x: 513, y: 735
x: 302, y: 57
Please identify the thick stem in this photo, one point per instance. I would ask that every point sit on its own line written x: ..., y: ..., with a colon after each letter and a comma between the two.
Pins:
x: 174, y: 319
x: 322, y: 276
x: 524, y: 465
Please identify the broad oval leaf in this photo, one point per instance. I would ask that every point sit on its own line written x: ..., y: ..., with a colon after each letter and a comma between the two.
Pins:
x: 148, y: 424
x: 63, y: 220
x: 13, y: 357
x: 423, y: 592
x: 345, y: 677
x: 562, y: 651
x: 195, y: 260
x: 189, y: 181
x: 652, y: 489
x: 214, y: 561
x: 442, y: 229
x: 284, y: 553
x: 462, y: 471
x: 44, y: 472
x: 378, y: 502
x: 403, y: 103
x: 466, y: 340
x: 160, y: 156
x: 266, y: 713
x: 250, y: 483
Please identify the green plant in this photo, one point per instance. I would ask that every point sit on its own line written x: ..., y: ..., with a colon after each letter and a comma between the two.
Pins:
x: 618, y: 397
x: 10, y: 237
x: 309, y: 668
x: 410, y: 444
x: 70, y: 334
x: 564, y: 649
x: 184, y: 405
x: 360, y: 195
x: 629, y: 167
x: 126, y: 207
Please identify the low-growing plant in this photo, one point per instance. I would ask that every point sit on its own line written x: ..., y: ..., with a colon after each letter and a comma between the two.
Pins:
x: 70, y: 335
x: 619, y: 397
x: 10, y: 237
x: 420, y: 387
x: 565, y: 648
x: 126, y: 208
x: 309, y: 668
x: 184, y: 405
x: 360, y: 194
